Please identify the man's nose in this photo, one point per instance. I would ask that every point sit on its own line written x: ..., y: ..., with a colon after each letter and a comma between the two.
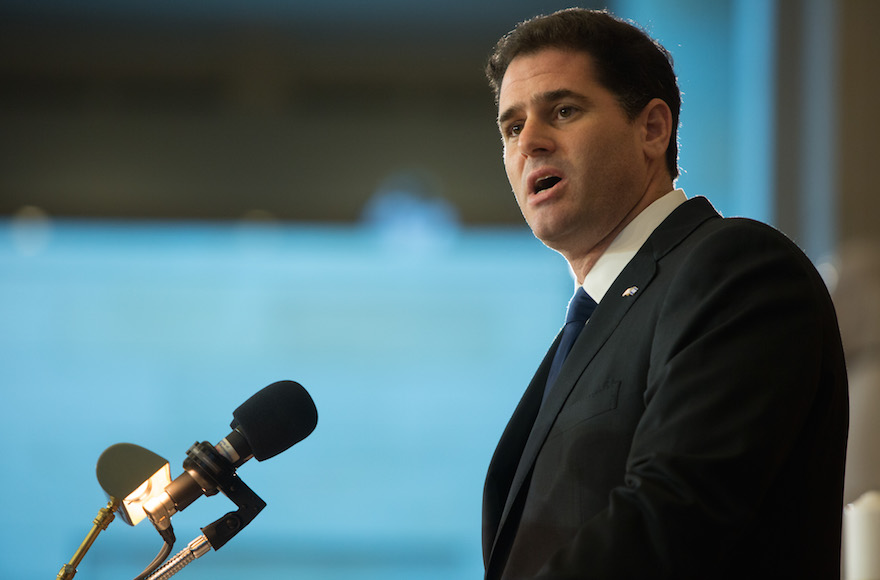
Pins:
x: 536, y: 138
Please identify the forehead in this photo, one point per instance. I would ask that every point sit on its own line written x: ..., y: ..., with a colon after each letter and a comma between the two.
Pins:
x: 547, y: 70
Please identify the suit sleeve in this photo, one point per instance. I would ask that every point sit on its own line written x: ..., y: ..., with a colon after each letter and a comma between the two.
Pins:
x: 736, y: 398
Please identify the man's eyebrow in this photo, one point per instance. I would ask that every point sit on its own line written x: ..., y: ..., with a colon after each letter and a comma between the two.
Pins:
x: 507, y: 115
x: 543, y: 98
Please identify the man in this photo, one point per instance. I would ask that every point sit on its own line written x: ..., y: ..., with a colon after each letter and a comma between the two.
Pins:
x: 697, y: 427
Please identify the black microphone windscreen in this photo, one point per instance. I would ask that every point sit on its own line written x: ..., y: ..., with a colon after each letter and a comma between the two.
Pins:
x: 275, y: 418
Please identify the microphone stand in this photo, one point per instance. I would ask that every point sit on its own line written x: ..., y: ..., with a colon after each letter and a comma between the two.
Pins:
x: 195, y: 549
x: 216, y: 534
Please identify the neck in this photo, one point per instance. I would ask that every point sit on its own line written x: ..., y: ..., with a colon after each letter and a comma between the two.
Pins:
x: 581, y: 263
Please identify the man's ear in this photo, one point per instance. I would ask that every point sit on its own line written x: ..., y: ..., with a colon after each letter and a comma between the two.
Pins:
x: 656, y: 121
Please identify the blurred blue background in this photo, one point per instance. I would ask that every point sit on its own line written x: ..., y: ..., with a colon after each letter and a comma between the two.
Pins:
x: 415, y: 354
x: 196, y: 202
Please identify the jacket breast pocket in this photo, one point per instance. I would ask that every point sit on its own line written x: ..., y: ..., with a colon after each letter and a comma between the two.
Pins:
x: 586, y: 406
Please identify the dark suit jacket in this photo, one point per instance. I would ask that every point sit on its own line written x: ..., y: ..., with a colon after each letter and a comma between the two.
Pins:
x: 696, y: 430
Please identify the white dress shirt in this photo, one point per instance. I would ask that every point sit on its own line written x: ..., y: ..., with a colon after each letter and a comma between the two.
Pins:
x: 627, y: 243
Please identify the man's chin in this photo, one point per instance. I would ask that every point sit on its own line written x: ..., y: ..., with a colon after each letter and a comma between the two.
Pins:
x: 552, y: 239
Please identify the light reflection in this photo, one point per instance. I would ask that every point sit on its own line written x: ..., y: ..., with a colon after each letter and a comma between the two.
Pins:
x: 30, y: 230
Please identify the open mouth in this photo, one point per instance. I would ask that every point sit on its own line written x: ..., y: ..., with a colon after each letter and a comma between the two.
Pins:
x: 546, y: 183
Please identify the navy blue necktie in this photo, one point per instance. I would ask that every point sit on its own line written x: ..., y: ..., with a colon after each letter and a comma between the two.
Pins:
x: 580, y: 308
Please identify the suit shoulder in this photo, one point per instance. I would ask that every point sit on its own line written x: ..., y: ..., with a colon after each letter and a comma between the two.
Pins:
x: 730, y: 247
x: 745, y: 236
x: 697, y: 223
x: 696, y: 242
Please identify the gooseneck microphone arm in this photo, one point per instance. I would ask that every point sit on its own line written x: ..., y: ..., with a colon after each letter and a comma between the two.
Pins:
x: 195, y: 549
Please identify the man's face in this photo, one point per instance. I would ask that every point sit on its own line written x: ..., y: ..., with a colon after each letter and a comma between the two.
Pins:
x: 573, y: 158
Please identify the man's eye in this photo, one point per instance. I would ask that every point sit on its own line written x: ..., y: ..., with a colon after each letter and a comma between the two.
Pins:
x: 565, y: 112
x: 514, y: 129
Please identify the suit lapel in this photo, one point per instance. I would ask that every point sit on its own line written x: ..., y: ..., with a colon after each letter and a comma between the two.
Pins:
x: 614, y: 306
x: 603, y: 322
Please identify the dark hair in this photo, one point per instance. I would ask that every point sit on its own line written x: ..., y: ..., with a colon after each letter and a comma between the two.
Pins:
x: 629, y: 63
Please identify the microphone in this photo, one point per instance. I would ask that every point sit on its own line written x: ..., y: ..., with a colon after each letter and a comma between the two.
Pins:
x: 269, y: 422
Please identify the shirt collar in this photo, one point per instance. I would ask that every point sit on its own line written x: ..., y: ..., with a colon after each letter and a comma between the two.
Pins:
x: 627, y: 243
